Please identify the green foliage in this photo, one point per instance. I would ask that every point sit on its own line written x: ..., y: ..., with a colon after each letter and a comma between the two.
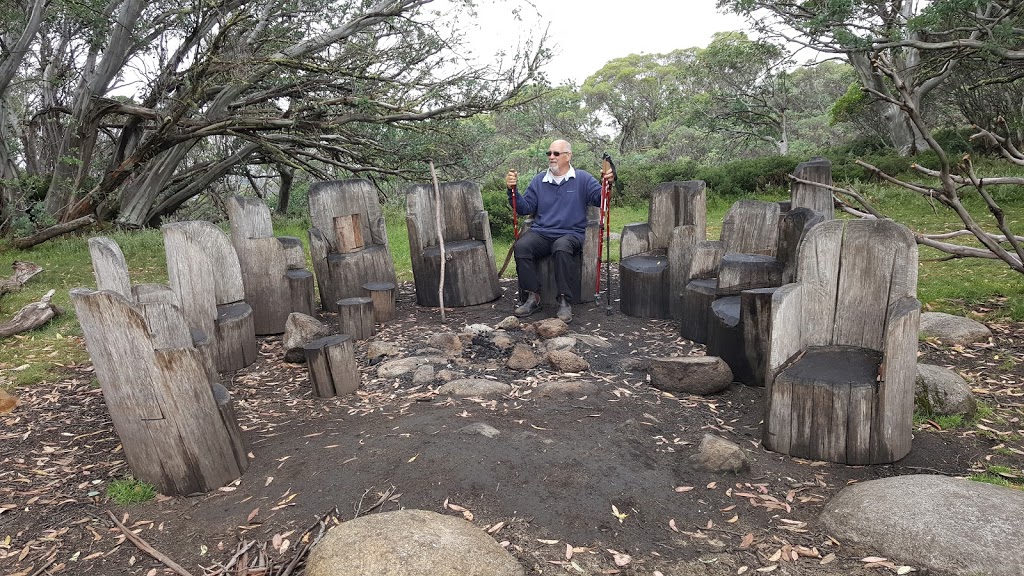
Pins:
x: 748, y: 177
x: 130, y: 491
x: 499, y: 211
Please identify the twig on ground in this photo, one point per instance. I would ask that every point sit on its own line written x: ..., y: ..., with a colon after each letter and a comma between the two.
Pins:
x: 145, y: 547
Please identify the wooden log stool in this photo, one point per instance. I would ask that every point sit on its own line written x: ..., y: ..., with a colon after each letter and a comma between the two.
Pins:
x: 696, y: 302
x: 332, y: 366
x: 383, y: 296
x: 644, y: 285
x: 826, y: 402
x: 355, y: 317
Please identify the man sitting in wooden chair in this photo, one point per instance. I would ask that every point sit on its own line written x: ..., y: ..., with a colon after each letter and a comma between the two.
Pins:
x: 558, y: 199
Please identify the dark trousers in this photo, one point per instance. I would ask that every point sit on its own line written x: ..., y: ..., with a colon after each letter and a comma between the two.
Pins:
x: 533, y: 246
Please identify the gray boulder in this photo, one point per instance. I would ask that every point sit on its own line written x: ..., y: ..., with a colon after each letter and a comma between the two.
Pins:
x: 300, y: 329
x: 378, y: 349
x: 561, y: 343
x: 716, y: 454
x: 466, y: 387
x: 394, y: 368
x: 423, y: 375
x: 410, y: 543
x: 447, y: 342
x: 953, y: 330
x: 949, y: 525
x: 701, y: 375
x: 942, y: 391
x: 481, y: 429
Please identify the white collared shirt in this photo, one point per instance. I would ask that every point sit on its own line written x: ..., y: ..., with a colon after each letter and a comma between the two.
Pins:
x: 556, y: 180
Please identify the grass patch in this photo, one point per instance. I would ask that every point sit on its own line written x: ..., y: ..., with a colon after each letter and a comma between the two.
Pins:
x: 1001, y: 476
x: 954, y: 421
x: 130, y: 491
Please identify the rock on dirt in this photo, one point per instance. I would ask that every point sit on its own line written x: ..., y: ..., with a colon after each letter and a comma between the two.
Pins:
x: 522, y: 358
x: 410, y: 543
x: 716, y: 454
x: 566, y: 361
x: 394, y: 368
x: 953, y: 330
x: 466, y: 387
x: 942, y: 391
x: 510, y: 323
x: 551, y: 328
x: 7, y: 402
x: 700, y: 375
x: 423, y: 375
x: 481, y: 429
x: 561, y: 343
x: 300, y: 329
x: 950, y: 525
x: 378, y: 349
x: 565, y: 389
x: 447, y: 342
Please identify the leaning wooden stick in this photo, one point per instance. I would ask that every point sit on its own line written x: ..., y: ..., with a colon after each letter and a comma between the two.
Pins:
x: 440, y: 237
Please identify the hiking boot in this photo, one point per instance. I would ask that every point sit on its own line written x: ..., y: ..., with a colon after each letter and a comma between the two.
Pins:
x: 564, y: 310
x: 531, y: 305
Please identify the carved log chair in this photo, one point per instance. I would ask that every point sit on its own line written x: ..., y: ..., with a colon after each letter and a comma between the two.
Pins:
x: 742, y: 259
x: 843, y: 350
x: 471, y: 276
x: 111, y: 272
x: 739, y: 325
x: 650, y: 267
x: 174, y: 420
x: 584, y: 274
x: 348, y: 240
x: 204, y: 272
x: 273, y: 268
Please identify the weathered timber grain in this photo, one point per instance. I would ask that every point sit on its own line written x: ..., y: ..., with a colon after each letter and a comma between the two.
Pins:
x: 751, y: 227
x: 842, y: 358
x: 793, y: 226
x: 756, y: 323
x: 645, y: 279
x: 739, y: 272
x: 725, y: 337
x: 272, y: 268
x: 160, y: 399
x: 332, y: 366
x: 676, y: 223
x: 816, y: 198
x: 697, y: 299
x: 109, y: 266
x: 383, y: 295
x: 348, y: 233
x: 340, y: 269
x: 471, y: 276
x: 355, y: 317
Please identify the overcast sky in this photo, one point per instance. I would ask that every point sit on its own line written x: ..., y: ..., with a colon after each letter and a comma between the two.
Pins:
x: 586, y: 34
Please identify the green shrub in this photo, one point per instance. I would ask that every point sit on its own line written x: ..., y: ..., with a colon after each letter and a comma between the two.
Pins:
x: 750, y: 176
x: 130, y: 491
x: 499, y: 212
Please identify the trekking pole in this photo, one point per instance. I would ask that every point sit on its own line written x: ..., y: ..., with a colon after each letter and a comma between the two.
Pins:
x: 606, y: 195
x: 515, y: 230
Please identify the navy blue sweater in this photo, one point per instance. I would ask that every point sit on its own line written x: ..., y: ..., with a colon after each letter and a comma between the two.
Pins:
x: 559, y: 209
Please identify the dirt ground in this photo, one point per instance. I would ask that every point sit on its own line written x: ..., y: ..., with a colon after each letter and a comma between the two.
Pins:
x: 547, y: 487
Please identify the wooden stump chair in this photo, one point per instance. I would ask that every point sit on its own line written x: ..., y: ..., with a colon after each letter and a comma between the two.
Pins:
x: 843, y: 351
x: 273, y: 268
x: 175, y: 422
x: 348, y: 240
x: 583, y: 281
x: 650, y: 269
x: 111, y: 272
x: 471, y: 276
x: 745, y: 260
x: 203, y: 271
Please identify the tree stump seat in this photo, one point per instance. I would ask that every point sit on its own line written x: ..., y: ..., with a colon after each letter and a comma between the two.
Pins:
x: 332, y: 366
x: 355, y: 317
x: 174, y: 420
x: 739, y: 272
x: 653, y: 268
x: 468, y: 270
x: 644, y: 284
x: 823, y: 406
x: 725, y: 337
x: 349, y: 271
x: 348, y: 240
x: 383, y: 295
x: 696, y: 301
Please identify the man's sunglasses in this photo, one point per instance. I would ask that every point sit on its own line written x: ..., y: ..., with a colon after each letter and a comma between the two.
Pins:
x: 556, y: 153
